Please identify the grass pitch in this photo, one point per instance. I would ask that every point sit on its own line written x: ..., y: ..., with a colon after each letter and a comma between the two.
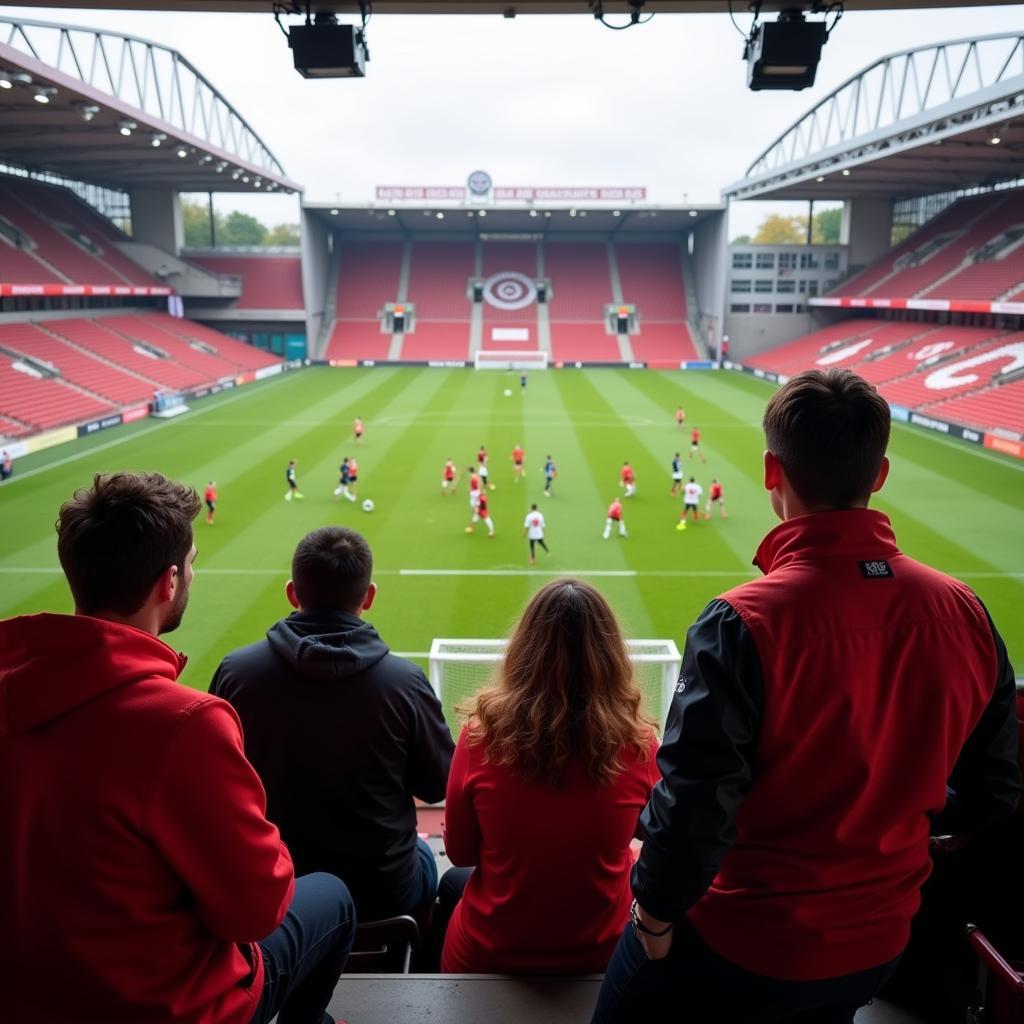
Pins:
x: 954, y: 506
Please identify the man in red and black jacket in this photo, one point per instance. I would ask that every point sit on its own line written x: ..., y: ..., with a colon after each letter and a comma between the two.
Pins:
x: 828, y: 717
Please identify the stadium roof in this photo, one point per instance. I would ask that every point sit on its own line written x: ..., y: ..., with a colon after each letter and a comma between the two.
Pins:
x: 123, y: 112
x: 400, y: 220
x: 937, y: 118
x: 499, y: 7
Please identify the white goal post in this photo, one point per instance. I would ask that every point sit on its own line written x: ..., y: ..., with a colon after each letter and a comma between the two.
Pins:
x: 459, y: 668
x: 510, y: 359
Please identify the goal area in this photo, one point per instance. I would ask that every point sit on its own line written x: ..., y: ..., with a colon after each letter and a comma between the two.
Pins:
x: 460, y: 668
x: 510, y: 359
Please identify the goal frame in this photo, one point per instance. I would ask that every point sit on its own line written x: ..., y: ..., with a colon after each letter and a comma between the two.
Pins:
x: 511, y: 359
x: 488, y: 652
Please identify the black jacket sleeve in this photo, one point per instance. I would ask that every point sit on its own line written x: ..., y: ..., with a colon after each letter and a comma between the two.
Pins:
x: 705, y: 760
x: 986, y: 781
x: 430, y: 746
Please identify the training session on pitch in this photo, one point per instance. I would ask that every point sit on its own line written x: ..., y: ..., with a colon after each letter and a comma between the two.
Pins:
x: 512, y: 512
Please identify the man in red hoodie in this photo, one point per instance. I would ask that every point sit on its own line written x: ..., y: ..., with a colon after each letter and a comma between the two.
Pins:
x: 828, y: 717
x: 140, y: 880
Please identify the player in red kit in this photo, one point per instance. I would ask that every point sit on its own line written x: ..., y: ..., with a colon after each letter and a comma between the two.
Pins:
x: 210, y: 497
x: 680, y: 417
x: 715, y: 495
x: 627, y: 479
x: 695, y: 445
x: 357, y: 429
x: 448, y: 481
x: 518, y: 457
x: 481, y: 511
x: 614, y: 516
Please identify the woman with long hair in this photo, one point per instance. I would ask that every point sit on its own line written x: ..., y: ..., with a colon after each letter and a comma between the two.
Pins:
x: 553, y: 767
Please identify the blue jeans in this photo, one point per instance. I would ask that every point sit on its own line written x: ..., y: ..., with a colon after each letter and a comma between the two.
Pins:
x: 422, y: 895
x: 693, y: 984
x: 304, y: 957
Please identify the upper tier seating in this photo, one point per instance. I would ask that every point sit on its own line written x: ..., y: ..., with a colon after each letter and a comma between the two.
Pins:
x: 19, y: 266
x: 1003, y: 209
x: 438, y: 275
x: 987, y: 279
x: 63, y: 206
x: 929, y: 342
x: 987, y: 409
x: 268, y: 282
x: 357, y: 339
x: 69, y: 259
x: 580, y: 282
x: 75, y: 366
x: 586, y: 343
x: 95, y: 336
x: 651, y: 275
x: 953, y: 218
x: 368, y: 274
x: 44, y: 403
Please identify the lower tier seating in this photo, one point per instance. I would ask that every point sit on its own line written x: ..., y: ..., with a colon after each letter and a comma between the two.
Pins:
x: 988, y: 409
x: 587, y: 343
x: 437, y: 341
x: 44, y: 403
x: 357, y: 339
x: 664, y: 344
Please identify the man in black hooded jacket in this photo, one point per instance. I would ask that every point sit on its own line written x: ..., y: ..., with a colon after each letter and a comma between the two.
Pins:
x: 343, y: 734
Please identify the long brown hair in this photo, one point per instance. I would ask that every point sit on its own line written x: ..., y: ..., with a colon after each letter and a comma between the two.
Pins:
x: 565, y: 688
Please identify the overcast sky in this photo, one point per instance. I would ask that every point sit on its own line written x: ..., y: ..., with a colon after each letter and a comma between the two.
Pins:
x: 535, y: 101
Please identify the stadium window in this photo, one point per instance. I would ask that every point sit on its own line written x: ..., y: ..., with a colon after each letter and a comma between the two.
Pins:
x: 831, y: 261
x: 765, y: 261
x: 785, y: 286
x: 829, y: 285
x: 808, y: 261
x: 742, y: 260
x: 739, y: 307
x: 741, y: 284
x: 812, y: 287
x: 803, y: 287
x: 762, y: 307
x: 764, y: 285
x: 784, y: 307
x: 787, y: 261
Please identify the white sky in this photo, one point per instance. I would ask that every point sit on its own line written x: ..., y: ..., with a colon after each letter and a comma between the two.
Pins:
x: 540, y: 100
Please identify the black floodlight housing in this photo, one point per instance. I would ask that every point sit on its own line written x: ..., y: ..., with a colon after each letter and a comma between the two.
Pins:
x: 784, y: 54
x: 326, y: 49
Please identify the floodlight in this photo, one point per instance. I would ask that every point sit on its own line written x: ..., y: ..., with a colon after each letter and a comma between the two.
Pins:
x: 182, y: 151
x: 222, y: 166
x: 87, y: 110
x: 42, y: 93
x: 533, y: 213
x: 391, y: 213
x: 994, y: 137
x: 334, y: 213
x: 439, y: 215
x: 325, y: 49
x: 9, y: 79
x: 616, y: 213
x: 846, y: 172
x: 481, y: 213
x: 157, y: 139
x: 126, y: 127
x: 784, y: 54
x: 693, y: 213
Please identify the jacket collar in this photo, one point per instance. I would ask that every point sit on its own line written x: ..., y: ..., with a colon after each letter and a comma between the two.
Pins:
x: 854, y: 531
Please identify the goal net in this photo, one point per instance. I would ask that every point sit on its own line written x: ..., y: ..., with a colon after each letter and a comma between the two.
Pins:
x: 459, y: 668
x: 510, y: 359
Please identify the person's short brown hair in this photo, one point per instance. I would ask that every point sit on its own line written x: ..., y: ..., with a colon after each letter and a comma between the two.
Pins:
x: 116, y: 538
x: 332, y: 569
x: 829, y: 429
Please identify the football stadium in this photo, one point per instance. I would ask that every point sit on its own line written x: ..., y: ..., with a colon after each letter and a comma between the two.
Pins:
x: 503, y: 386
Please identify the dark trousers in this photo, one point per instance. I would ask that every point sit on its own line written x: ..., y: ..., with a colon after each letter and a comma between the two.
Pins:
x: 694, y: 985
x: 423, y: 894
x: 304, y: 957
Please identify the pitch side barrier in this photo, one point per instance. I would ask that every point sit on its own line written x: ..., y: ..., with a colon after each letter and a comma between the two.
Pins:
x: 61, y: 435
x: 459, y: 364
x: 1004, y: 441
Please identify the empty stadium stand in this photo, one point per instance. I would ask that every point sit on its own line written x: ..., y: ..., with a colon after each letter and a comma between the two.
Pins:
x: 571, y: 342
x: 268, y: 282
x: 209, y: 365
x: 438, y: 276
x: 437, y: 340
x: 368, y: 278
x: 581, y: 289
x: 990, y: 408
x: 43, y: 403
x: 804, y: 352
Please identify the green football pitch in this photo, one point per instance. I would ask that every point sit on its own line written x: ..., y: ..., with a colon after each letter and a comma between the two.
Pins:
x: 954, y: 506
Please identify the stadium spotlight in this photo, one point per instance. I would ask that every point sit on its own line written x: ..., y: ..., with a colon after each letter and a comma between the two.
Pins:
x: 5, y: 81
x: 784, y: 54
x: 324, y: 49
x: 481, y: 213
x: 616, y: 213
x: 533, y: 213
x: 235, y: 174
x: 157, y: 139
x: 693, y: 213
x: 391, y: 213
x: 42, y: 93
x: 222, y: 167
x: 182, y: 151
x: 126, y: 127
x: 994, y: 137
x: 820, y: 178
x: 846, y: 172
x: 9, y: 79
x: 439, y: 215
x: 334, y: 213
x: 245, y: 179
x: 87, y: 111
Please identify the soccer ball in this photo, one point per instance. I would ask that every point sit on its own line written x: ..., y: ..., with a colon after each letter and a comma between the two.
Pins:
x: 368, y: 505
x: 508, y: 392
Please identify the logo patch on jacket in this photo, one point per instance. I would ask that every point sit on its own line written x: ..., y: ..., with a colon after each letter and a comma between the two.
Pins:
x: 876, y: 570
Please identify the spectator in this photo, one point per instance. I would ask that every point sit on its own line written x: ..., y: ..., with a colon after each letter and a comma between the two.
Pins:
x: 550, y: 774
x: 828, y: 715
x: 343, y: 734
x: 140, y: 880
